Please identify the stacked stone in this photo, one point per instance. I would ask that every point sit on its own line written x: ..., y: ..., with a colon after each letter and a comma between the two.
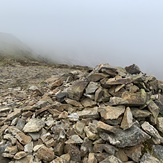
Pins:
x: 107, y: 115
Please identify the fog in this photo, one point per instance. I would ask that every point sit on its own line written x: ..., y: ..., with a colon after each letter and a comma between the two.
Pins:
x: 90, y: 32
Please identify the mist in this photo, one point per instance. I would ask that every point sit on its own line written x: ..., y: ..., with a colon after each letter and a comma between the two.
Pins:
x: 90, y: 32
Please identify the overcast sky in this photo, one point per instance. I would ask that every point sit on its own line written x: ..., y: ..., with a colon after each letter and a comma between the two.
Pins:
x: 89, y: 32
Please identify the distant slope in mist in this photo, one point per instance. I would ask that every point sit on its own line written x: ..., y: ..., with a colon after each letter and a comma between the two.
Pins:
x: 14, y: 50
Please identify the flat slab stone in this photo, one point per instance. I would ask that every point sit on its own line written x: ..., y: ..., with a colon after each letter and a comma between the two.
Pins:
x: 34, y: 125
x: 126, y: 138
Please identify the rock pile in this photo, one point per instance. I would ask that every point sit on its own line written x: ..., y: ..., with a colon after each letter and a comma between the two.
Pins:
x: 107, y: 115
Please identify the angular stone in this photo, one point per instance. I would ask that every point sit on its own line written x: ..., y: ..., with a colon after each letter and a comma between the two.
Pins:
x: 119, y: 81
x: 110, y: 112
x: 133, y: 69
x: 79, y: 127
x: 120, y: 154
x: 45, y: 154
x: 106, y: 127
x: 11, y: 149
x: 88, y: 102
x: 61, y: 96
x: 117, y: 101
x: 27, y: 159
x: 19, y: 135
x: 126, y: 138
x: 135, y: 99
x: 86, y: 147
x: 111, y: 159
x: 91, y: 87
x: 35, y: 135
x: 94, y: 77
x: 159, y: 102
x: 88, y: 113
x: 154, y: 109
x: 90, y: 134
x: 134, y: 153
x: 158, y: 152
x: 152, y: 132
x: 127, y: 120
x: 10, y: 138
x: 138, y: 113
x: 98, y: 94
x: 92, y: 158
x: 14, y: 114
x: 99, y: 148
x: 76, y: 90
x: 59, y: 148
x: 7, y: 155
x: 74, y: 139
x: 74, y: 152
x: 28, y: 147
x: 20, y: 155
x: 147, y: 158
x: 65, y: 158
x: 34, y: 125
x: 160, y: 124
x: 5, y: 109
x: 73, y: 102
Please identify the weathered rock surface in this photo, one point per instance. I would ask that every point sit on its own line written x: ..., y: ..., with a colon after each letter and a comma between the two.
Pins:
x: 106, y: 115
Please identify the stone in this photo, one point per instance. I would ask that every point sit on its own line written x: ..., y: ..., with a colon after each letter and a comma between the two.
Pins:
x: 106, y: 127
x: 147, y: 158
x: 88, y: 113
x: 74, y: 139
x: 74, y: 152
x: 95, y: 77
x: 19, y: 135
x: 26, y: 159
x: 45, y: 154
x: 14, y: 114
x: 28, y: 147
x: 134, y: 153
x: 91, y: 87
x: 73, y: 117
x: 35, y: 135
x: 111, y: 159
x: 159, y: 102
x: 76, y: 90
x: 135, y: 99
x: 10, y: 138
x: 117, y: 101
x: 127, y: 120
x: 11, y: 149
x: 99, y: 148
x: 152, y: 132
x: 88, y: 102
x: 126, y: 138
x: 34, y: 125
x: 73, y: 102
x: 92, y: 158
x: 61, y: 96
x: 158, y: 152
x: 90, y: 134
x: 99, y: 94
x: 133, y: 69
x: 59, y: 148
x: 19, y: 155
x: 79, y: 127
x: 138, y: 113
x: 110, y: 112
x: 154, y: 109
x: 21, y: 123
x: 120, y: 154
x: 119, y: 81
x: 160, y: 124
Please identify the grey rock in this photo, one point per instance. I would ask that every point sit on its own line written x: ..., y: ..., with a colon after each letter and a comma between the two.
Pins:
x: 91, y: 87
x: 152, y: 132
x: 160, y: 124
x: 133, y: 69
x: 111, y: 159
x: 147, y: 158
x: 126, y: 138
x: 158, y: 152
x: 76, y: 90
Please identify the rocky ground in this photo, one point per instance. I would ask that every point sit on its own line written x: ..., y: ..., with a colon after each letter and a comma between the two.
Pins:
x: 62, y: 114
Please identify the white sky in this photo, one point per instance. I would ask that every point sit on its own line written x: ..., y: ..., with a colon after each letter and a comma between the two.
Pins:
x: 89, y: 32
